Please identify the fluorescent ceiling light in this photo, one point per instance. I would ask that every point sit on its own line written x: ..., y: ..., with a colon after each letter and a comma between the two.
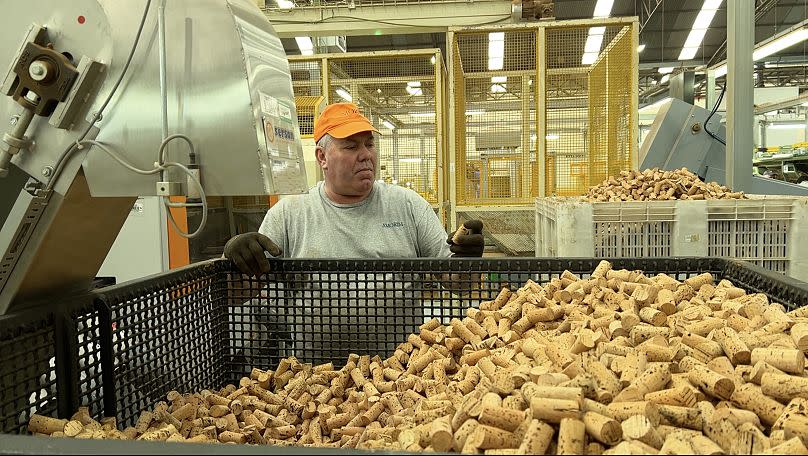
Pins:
x: 779, y: 44
x: 589, y: 58
x: 786, y: 41
x: 409, y: 160
x: 665, y: 79
x: 771, y: 113
x: 344, y: 94
x: 552, y: 137
x: 688, y: 53
x: 388, y: 124
x: 603, y: 8
x: 432, y: 60
x: 495, y: 63
x: 593, y: 43
x: 305, y: 45
x: 699, y: 29
x: 665, y: 70
x: 496, y: 50
x: 414, y: 84
x: 498, y: 88
x: 499, y: 79
x: 597, y: 30
x: 640, y: 48
x: 786, y: 126
x: 414, y: 91
x: 286, y: 4
x: 695, y: 38
x: 704, y: 19
x: 422, y: 114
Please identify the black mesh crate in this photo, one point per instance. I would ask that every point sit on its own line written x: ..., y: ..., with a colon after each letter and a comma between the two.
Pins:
x: 122, y: 348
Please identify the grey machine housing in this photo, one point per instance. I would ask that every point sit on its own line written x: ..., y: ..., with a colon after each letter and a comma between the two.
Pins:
x: 677, y: 140
x: 227, y: 87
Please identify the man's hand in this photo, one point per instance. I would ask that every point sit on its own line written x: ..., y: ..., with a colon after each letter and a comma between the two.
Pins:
x: 468, y: 240
x: 247, y: 252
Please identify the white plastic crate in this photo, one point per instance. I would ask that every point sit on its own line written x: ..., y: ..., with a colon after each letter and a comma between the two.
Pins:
x: 770, y: 231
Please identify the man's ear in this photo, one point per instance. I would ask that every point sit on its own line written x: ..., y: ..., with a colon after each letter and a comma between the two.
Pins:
x: 319, y: 155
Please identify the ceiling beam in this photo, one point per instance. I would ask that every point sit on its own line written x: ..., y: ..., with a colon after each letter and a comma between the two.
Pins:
x: 432, y: 17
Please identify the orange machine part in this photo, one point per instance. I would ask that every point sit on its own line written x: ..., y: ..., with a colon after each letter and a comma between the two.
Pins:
x: 178, y: 254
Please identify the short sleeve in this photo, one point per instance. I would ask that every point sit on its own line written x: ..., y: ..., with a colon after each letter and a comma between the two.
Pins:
x: 431, y: 235
x: 274, y: 226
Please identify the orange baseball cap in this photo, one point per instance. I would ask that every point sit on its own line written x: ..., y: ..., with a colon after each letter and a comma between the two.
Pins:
x: 341, y: 120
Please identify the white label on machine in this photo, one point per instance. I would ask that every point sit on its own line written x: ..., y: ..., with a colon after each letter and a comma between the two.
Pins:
x: 269, y: 104
x: 285, y: 111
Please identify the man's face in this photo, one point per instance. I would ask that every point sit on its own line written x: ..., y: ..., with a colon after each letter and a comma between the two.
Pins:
x: 349, y: 164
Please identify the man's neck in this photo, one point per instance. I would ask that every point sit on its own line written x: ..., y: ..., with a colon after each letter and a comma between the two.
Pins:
x: 344, y: 199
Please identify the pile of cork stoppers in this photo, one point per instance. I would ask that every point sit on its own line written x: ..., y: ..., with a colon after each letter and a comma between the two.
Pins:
x: 618, y: 363
x: 657, y: 185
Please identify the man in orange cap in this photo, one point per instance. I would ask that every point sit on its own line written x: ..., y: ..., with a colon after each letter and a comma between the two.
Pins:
x: 350, y: 214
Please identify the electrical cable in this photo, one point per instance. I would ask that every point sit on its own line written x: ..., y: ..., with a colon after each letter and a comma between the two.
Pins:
x: 715, y: 108
x: 157, y: 169
x: 61, y: 161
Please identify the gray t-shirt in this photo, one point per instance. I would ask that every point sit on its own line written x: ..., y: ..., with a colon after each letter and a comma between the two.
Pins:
x: 392, y: 222
x: 333, y: 314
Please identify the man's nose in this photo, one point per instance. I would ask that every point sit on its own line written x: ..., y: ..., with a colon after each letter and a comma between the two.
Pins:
x: 366, y: 153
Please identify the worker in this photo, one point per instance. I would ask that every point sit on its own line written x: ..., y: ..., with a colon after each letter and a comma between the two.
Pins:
x: 349, y: 214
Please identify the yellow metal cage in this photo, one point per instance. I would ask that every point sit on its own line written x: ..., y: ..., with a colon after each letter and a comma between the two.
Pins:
x: 540, y: 109
x: 308, y: 109
x: 402, y: 93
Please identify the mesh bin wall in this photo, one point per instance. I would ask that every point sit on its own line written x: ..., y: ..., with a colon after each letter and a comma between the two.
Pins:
x: 169, y: 333
x: 27, y: 369
x: 197, y: 327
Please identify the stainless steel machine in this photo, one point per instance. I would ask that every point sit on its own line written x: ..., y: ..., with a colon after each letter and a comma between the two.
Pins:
x: 106, y: 101
x: 679, y: 138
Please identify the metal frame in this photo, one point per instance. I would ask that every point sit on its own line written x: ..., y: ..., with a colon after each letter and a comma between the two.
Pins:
x: 740, y: 95
x: 539, y: 87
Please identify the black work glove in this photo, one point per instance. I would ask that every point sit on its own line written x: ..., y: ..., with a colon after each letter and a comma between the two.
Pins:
x: 468, y: 240
x: 247, y: 252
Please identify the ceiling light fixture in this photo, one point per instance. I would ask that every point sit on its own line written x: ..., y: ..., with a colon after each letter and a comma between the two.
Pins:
x: 594, y: 41
x: 496, y: 50
x: 640, y: 48
x: 778, y: 44
x: 603, y: 8
x: 389, y: 125
x: 305, y: 45
x: 699, y: 29
x: 665, y: 70
x: 785, y: 40
x: 344, y: 94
